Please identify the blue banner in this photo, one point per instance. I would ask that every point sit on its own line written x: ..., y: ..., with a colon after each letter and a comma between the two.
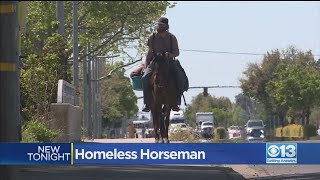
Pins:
x: 149, y: 153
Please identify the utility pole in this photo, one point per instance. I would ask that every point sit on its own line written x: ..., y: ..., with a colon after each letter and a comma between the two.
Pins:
x: 94, y: 93
x: 89, y: 93
x: 85, y: 95
x: 75, y: 53
x: 9, y: 72
x: 9, y: 79
x: 60, y: 17
x: 99, y: 121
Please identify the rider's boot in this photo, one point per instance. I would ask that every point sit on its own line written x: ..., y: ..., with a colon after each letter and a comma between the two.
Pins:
x: 146, y: 108
x: 177, y: 103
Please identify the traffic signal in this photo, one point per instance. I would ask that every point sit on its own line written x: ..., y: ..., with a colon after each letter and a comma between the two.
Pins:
x: 205, y: 91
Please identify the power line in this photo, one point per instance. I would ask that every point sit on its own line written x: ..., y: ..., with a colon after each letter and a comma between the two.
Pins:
x: 227, y: 52
x: 205, y: 88
x: 218, y: 86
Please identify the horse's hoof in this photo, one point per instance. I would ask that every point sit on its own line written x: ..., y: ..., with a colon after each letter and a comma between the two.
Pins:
x: 166, y: 140
x: 156, y: 141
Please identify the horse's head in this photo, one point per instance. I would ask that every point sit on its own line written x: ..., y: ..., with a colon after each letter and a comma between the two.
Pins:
x: 161, y: 71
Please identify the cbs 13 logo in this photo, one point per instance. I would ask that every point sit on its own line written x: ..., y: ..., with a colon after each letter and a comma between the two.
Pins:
x: 281, y: 150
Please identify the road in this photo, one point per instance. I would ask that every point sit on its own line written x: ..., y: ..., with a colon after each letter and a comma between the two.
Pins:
x: 127, y: 172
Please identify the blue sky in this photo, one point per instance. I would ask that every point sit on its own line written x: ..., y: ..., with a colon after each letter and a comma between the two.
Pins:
x: 253, y: 27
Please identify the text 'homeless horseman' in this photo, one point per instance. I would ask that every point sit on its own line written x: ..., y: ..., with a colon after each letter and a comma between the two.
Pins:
x: 144, y: 154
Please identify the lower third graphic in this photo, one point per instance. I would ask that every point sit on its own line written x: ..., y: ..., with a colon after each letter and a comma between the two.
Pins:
x: 281, y: 153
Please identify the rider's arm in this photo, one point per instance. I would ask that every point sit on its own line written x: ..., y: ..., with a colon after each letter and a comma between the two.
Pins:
x: 149, y: 53
x: 148, y: 58
x: 175, y: 48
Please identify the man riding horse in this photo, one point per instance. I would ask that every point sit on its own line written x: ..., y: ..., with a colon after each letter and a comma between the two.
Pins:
x: 163, y: 42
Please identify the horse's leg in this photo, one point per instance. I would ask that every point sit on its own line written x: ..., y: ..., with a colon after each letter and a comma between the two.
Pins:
x: 155, y: 125
x: 159, y: 117
x: 162, y: 124
x: 167, y: 110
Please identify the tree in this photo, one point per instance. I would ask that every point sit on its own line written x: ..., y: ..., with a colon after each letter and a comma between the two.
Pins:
x: 238, y: 115
x: 221, y: 117
x: 40, y: 75
x: 110, y: 26
x: 199, y: 103
x: 258, y: 76
x: 297, y: 87
x: 118, y: 98
x: 219, y: 106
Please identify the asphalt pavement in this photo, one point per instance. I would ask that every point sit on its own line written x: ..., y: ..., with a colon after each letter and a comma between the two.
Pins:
x: 126, y: 172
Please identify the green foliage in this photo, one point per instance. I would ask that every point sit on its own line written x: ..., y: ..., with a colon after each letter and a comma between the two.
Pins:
x: 220, y: 105
x: 185, y: 136
x: 291, y: 131
x: 315, y: 115
x: 104, y: 136
x: 110, y: 26
x: 287, y: 80
x: 35, y: 131
x: 252, y: 107
x: 310, y: 130
x: 296, y: 87
x: 40, y: 75
x: 220, y: 133
x: 221, y: 116
x: 118, y: 98
x: 238, y: 116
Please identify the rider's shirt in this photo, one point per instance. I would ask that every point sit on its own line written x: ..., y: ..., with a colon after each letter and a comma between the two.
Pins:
x: 163, y: 44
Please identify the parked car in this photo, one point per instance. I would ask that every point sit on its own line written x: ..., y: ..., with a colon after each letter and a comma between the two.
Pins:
x: 178, y: 127
x: 254, y: 130
x: 234, y: 132
x: 207, y: 129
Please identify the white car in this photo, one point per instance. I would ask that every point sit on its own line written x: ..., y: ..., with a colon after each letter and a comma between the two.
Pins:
x: 234, y: 132
x: 206, y: 125
x: 254, y: 130
x: 178, y: 126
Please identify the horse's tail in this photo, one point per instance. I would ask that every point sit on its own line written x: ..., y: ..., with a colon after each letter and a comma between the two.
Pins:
x: 184, y: 100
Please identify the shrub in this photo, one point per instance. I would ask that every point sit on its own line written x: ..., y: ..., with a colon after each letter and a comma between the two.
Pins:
x: 185, y: 136
x: 292, y: 130
x: 310, y: 130
x: 219, y: 133
x: 36, y: 131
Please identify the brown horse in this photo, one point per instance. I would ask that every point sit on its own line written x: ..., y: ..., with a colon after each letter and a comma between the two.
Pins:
x: 163, y: 93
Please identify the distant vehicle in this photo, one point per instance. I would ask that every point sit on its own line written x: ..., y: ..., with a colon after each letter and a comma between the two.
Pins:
x: 178, y: 126
x: 141, y: 127
x: 234, y: 132
x: 254, y: 130
x: 204, y: 123
x: 202, y: 117
x: 174, y: 114
x: 176, y: 119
